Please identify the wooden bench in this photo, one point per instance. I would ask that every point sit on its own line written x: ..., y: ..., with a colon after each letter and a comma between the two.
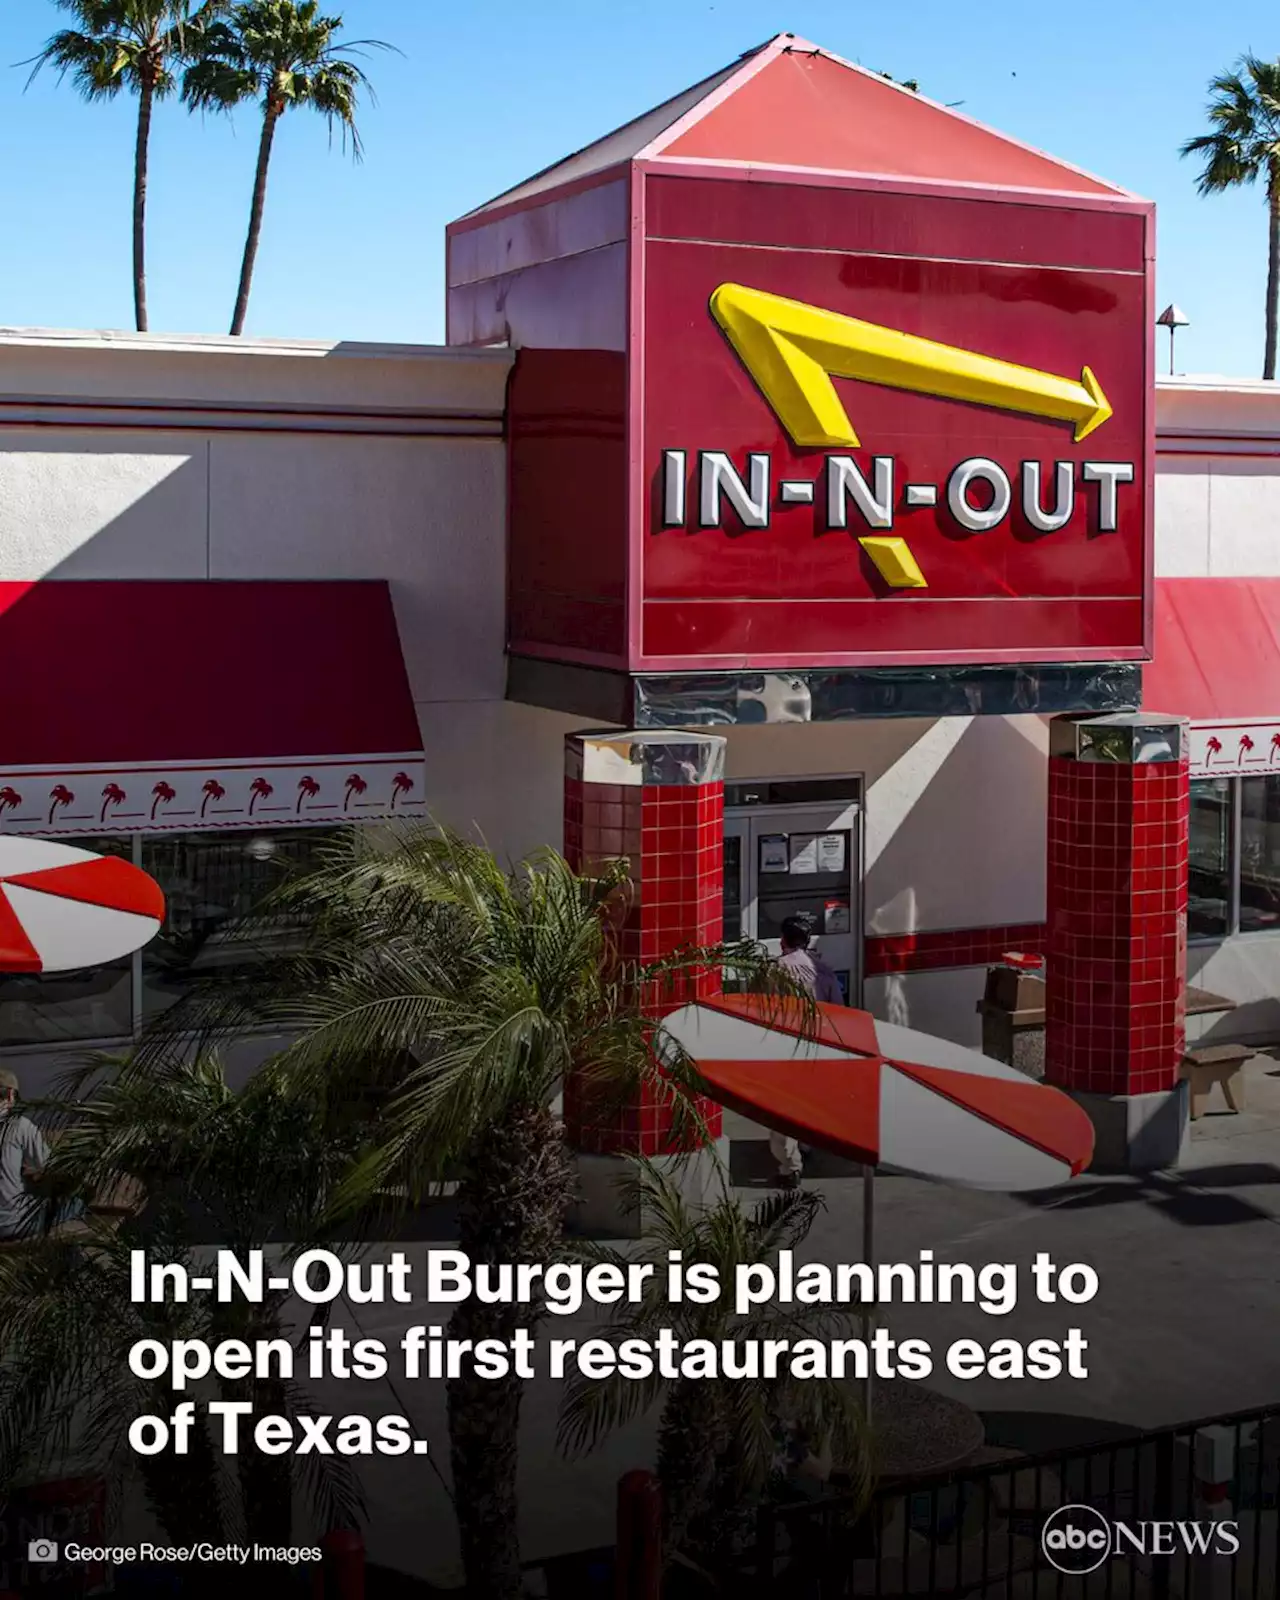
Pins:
x: 1216, y: 1063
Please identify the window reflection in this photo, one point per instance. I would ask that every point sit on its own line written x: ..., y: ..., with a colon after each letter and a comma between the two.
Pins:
x: 1209, y: 874
x: 1259, y: 854
x: 732, y: 887
x: 95, y: 1003
x: 212, y: 883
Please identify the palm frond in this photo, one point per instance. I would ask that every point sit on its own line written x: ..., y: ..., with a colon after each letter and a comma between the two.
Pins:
x: 719, y: 1438
x: 283, y: 54
x: 1244, y: 117
x: 126, y: 44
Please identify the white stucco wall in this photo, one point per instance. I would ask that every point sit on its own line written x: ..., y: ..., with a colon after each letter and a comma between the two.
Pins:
x: 954, y: 833
x: 1217, y: 478
x: 294, y: 461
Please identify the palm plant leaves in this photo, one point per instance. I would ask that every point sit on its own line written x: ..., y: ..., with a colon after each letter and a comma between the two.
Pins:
x: 247, y: 1162
x: 282, y: 54
x: 450, y: 996
x: 1243, y: 145
x: 465, y: 988
x: 125, y: 44
x: 217, y: 1163
x: 1244, y: 140
x: 718, y: 1438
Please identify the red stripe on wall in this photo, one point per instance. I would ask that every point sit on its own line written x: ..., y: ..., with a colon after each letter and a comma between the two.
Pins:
x: 949, y: 947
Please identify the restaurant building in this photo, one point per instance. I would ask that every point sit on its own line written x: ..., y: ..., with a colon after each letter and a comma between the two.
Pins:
x: 793, y: 510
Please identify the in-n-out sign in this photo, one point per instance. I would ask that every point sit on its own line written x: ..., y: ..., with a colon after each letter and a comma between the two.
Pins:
x: 843, y: 487
x: 792, y: 350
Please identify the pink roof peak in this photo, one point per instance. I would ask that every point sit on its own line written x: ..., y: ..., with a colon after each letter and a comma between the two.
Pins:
x: 789, y: 104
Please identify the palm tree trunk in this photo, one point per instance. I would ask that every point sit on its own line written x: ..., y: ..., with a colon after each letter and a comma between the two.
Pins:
x: 269, y: 120
x: 140, y: 207
x: 687, y: 1445
x: 183, y: 1494
x: 513, y: 1197
x: 1273, y: 269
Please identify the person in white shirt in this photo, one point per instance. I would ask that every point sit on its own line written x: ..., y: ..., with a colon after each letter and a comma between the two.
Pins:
x: 806, y: 968
x: 23, y: 1155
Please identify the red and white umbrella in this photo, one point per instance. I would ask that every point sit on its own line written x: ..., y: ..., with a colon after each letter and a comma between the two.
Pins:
x: 882, y: 1094
x: 63, y: 908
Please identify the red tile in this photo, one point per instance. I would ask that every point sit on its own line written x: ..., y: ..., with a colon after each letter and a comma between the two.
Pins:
x: 1116, y: 881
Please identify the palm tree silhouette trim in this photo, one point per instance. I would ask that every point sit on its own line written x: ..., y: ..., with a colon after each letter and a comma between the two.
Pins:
x: 164, y: 792
x: 282, y: 54
x: 133, y: 45
x: 213, y: 790
x: 10, y: 799
x: 1243, y: 146
x: 308, y: 788
x: 400, y: 784
x: 259, y: 789
x: 59, y: 795
x: 112, y: 795
x: 355, y: 785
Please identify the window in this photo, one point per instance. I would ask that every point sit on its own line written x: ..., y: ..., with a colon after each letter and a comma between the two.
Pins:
x: 212, y: 881
x: 1209, y: 868
x: 1234, y: 882
x: 1259, y: 854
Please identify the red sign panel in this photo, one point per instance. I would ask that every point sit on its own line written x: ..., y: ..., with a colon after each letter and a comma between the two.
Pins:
x: 883, y: 428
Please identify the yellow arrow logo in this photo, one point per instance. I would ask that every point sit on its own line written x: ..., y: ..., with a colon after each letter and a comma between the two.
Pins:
x: 792, y: 350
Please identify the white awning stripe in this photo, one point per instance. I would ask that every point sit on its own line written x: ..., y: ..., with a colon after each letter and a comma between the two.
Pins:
x: 159, y: 797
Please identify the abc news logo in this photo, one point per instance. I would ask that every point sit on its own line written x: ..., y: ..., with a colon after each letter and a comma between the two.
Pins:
x: 1078, y: 1539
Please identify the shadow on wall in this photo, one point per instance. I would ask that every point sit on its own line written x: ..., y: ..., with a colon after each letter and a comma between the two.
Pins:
x: 274, y: 504
x: 821, y: 749
x: 133, y: 505
x: 970, y: 849
x: 1246, y: 969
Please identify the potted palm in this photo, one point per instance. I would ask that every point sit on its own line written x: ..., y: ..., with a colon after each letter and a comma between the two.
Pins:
x: 723, y: 1445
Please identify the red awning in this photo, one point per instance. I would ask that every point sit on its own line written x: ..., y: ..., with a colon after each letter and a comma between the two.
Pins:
x: 1217, y: 661
x: 135, y: 706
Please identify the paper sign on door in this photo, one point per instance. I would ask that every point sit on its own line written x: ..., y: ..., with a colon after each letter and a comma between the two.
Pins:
x: 831, y: 852
x: 804, y: 852
x: 773, y: 852
x: 836, y: 917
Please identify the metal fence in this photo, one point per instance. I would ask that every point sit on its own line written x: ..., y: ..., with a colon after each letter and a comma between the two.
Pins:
x: 1185, y: 1513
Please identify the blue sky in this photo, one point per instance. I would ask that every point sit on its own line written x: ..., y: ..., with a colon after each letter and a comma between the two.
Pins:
x: 490, y: 90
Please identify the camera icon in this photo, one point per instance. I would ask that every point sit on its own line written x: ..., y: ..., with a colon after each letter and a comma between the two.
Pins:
x: 42, y: 1550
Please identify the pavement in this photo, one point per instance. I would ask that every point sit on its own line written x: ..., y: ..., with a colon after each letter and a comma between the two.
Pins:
x: 1183, y: 1326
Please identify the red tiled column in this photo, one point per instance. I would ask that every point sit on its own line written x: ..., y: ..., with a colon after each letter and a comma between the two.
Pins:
x: 656, y: 798
x: 1117, y: 929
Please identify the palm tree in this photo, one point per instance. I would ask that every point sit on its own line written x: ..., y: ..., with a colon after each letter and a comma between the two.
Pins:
x: 460, y: 993
x: 135, y: 45
x: 212, y: 1162
x: 1244, y: 146
x: 281, y: 53
x: 719, y: 1440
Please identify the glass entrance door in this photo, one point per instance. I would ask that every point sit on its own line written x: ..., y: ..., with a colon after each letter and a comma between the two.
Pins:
x: 797, y: 860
